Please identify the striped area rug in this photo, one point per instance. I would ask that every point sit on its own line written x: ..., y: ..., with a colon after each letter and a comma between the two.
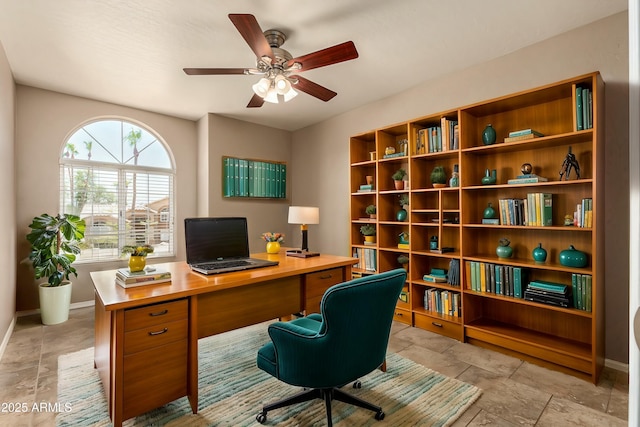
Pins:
x: 232, y: 391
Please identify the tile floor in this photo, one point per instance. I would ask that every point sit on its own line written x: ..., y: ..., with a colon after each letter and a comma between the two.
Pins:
x: 515, y: 393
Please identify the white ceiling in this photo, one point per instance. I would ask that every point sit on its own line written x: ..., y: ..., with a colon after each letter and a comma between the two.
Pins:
x: 132, y: 52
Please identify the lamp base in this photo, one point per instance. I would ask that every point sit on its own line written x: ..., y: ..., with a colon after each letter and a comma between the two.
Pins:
x: 299, y: 253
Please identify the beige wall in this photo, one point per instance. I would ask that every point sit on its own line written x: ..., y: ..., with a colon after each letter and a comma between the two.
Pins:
x: 44, y: 120
x: 231, y: 137
x: 8, y: 197
x: 320, y: 152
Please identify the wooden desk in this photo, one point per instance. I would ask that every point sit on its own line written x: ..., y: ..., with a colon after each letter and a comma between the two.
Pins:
x: 146, y: 337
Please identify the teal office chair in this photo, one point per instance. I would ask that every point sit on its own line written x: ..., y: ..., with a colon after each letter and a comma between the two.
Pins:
x: 323, y: 352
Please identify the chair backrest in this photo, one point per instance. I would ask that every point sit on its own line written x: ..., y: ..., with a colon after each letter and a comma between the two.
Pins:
x: 357, y: 317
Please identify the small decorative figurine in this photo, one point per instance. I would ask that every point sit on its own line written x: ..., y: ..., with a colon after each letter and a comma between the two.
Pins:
x: 568, y: 220
x: 454, y: 181
x: 403, y: 238
x: 433, y: 243
x: 569, y: 162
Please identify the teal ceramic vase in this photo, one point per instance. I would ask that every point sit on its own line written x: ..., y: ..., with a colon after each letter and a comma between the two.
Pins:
x: 489, y: 212
x: 401, y: 215
x: 539, y: 253
x: 490, y: 177
x: 504, y: 251
x: 573, y: 258
x: 488, y: 135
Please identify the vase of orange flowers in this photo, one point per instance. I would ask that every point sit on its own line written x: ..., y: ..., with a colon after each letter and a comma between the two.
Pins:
x: 137, y: 256
x: 273, y: 241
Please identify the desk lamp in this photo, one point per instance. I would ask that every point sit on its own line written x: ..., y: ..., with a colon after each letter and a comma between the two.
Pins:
x: 303, y: 215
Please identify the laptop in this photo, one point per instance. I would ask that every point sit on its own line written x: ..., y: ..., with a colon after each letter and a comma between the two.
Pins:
x: 219, y: 245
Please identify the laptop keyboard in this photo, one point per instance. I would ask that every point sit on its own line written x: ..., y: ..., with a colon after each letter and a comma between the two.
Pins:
x: 223, y: 264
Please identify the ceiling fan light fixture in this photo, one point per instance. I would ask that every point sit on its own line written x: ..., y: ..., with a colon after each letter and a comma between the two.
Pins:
x: 271, y: 96
x: 262, y: 88
x: 282, y: 85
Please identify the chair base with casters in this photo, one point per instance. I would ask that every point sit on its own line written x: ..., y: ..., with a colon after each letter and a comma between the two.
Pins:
x: 326, y: 394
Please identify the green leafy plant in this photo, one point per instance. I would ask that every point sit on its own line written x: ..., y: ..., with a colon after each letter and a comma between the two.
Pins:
x: 403, y: 259
x: 399, y: 175
x: 141, y: 250
x: 370, y: 210
x: 368, y: 230
x: 54, y: 245
x: 404, y: 199
x: 504, y: 242
x: 438, y: 175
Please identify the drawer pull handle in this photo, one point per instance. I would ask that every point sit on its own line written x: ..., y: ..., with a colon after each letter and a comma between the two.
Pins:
x: 399, y: 314
x: 326, y: 276
x: 439, y: 325
x: 159, y: 332
x: 160, y: 313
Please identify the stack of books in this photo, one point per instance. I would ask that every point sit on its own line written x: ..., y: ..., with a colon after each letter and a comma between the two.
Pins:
x: 520, y: 135
x: 148, y: 276
x: 530, y: 178
x: 437, y: 275
x: 365, y: 188
x: 548, y: 293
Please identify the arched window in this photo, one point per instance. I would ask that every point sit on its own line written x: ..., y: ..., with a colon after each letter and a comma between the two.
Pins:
x: 118, y: 176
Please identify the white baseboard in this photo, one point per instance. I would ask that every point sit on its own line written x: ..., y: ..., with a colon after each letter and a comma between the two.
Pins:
x: 618, y: 366
x: 7, y: 336
x: 73, y: 306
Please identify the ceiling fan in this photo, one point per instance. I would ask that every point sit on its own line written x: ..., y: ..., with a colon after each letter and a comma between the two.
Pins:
x: 279, y: 70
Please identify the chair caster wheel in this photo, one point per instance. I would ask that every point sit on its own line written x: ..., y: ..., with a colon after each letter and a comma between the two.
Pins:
x: 379, y: 416
x: 357, y: 384
x: 262, y: 417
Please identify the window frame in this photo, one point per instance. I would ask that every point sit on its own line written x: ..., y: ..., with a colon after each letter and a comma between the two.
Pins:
x: 122, y: 169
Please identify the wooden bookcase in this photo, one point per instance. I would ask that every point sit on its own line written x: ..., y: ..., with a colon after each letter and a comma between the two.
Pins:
x: 567, y: 339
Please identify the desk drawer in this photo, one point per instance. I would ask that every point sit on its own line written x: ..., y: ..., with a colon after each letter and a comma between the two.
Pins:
x: 155, y: 336
x: 155, y: 314
x: 154, y: 377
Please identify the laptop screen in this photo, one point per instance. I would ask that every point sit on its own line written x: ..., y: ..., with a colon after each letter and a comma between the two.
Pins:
x: 211, y: 239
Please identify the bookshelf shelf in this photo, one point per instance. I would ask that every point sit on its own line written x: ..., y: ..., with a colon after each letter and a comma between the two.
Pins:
x: 568, y: 339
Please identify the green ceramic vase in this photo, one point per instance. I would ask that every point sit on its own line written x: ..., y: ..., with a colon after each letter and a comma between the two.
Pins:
x: 573, y: 258
x: 539, y: 253
x: 488, y: 135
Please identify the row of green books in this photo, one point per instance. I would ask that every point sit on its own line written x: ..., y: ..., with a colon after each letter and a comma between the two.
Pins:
x: 497, y: 279
x: 534, y: 211
x: 584, y: 108
x: 366, y: 259
x: 254, y: 178
x: 581, y: 291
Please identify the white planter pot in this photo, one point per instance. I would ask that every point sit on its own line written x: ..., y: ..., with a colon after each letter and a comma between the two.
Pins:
x: 54, y: 303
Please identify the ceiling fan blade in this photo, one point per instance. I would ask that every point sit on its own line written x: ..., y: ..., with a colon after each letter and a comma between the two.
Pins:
x: 314, y: 89
x: 209, y: 71
x: 256, y: 101
x: 250, y: 30
x: 331, y: 55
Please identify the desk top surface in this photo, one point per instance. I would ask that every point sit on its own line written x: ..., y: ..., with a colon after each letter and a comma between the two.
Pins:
x: 185, y: 282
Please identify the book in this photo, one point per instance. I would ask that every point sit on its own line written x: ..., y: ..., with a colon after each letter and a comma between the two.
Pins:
x: 543, y: 285
x: 520, y: 137
x: 435, y: 279
x: 527, y: 180
x: 403, y: 245
x: 146, y: 275
x: 525, y: 132
x: 141, y: 283
x: 442, y: 250
x: 491, y: 221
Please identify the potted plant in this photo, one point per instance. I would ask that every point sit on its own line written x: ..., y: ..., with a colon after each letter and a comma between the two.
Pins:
x: 403, y: 260
x: 438, y: 177
x: 401, y: 215
x: 137, y: 256
x: 54, y: 245
x: 369, y: 233
x: 398, y: 178
x: 371, y: 211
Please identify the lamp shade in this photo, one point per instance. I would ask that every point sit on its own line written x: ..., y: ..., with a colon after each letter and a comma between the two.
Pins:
x: 304, y: 215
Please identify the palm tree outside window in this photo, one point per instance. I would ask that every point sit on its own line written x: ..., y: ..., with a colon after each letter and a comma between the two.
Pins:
x: 119, y: 176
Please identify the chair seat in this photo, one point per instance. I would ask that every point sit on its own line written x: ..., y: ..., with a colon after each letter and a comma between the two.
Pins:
x: 267, y: 360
